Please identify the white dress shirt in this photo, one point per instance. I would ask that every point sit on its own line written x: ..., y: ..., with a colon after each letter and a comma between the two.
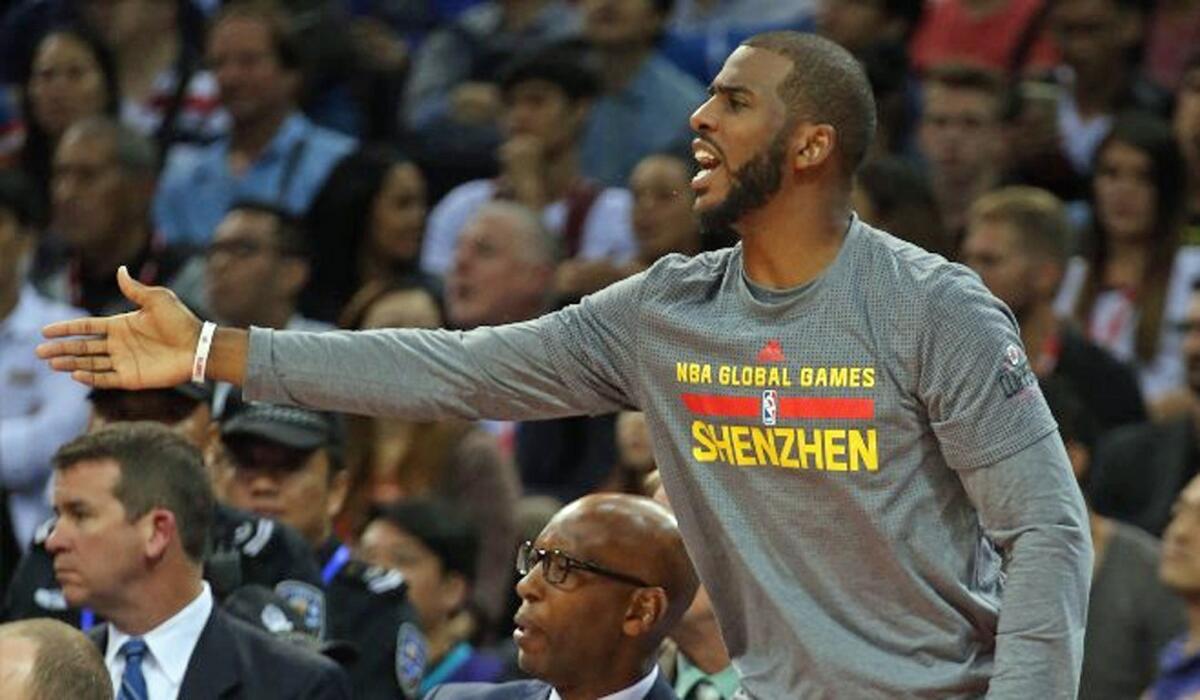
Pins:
x: 637, y: 691
x: 40, y: 409
x: 169, y: 648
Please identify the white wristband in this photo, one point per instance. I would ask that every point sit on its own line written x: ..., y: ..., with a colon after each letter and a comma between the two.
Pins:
x: 207, y: 331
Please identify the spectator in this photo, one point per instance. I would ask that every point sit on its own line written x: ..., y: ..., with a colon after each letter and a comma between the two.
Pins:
x: 38, y: 411
x: 272, y: 154
x: 547, y: 97
x: 1137, y: 275
x: 694, y: 658
x: 891, y: 195
x: 960, y: 138
x: 367, y: 226
x: 72, y: 76
x: 635, y: 456
x: 616, y: 561
x: 289, y: 463
x: 858, y: 25
x: 1180, y: 571
x: 1186, y: 123
x: 243, y: 549
x: 1172, y: 35
x: 1017, y: 240
x: 165, y: 92
x: 1140, y: 469
x: 1131, y: 615
x: 434, y: 545
x: 1098, y: 40
x: 257, y: 264
x: 47, y: 660
x: 1002, y: 35
x: 389, y: 459
x: 453, y: 75
x: 104, y: 176
x: 701, y: 33
x: 644, y: 101
x: 134, y: 509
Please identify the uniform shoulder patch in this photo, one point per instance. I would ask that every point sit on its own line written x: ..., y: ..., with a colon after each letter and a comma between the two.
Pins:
x: 411, y: 655
x: 308, y: 600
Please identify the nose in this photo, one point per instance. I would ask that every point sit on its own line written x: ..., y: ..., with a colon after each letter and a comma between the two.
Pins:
x: 529, y: 588
x: 703, y: 120
x: 57, y: 541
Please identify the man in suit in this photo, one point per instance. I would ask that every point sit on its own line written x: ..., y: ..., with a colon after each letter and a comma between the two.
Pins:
x: 600, y: 589
x: 134, y: 509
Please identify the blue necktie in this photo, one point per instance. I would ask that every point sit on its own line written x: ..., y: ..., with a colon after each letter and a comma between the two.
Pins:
x: 133, y: 683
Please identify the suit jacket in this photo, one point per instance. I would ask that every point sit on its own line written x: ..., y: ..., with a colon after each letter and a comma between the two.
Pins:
x: 234, y: 661
x: 1138, y: 471
x: 526, y: 690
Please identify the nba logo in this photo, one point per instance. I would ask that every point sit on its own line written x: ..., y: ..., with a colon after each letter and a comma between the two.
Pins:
x: 770, y: 406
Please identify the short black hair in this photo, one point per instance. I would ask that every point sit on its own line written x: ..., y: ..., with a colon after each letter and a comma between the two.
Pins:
x: 444, y: 529
x: 290, y: 234
x: 968, y: 76
x: 563, y: 65
x: 159, y: 469
x: 17, y: 199
x: 827, y: 85
x: 284, y: 40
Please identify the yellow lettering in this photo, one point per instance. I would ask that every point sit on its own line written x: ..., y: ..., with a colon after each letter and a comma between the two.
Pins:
x: 723, y: 375
x: 704, y: 450
x: 807, y: 449
x: 785, y: 453
x: 835, y: 447
x: 822, y: 377
x: 855, y: 376
x: 864, y: 452
x: 739, y: 439
x: 764, y: 446
x: 806, y: 376
x: 868, y: 377
x: 838, y: 376
x: 724, y: 449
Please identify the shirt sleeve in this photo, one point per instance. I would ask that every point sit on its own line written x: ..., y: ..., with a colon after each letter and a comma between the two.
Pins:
x: 974, y: 379
x: 572, y: 362
x: 1031, y: 508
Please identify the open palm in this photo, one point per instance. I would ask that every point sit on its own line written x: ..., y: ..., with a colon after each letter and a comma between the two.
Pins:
x: 150, y: 347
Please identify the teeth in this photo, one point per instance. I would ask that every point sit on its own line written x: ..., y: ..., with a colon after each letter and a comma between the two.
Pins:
x: 706, y: 160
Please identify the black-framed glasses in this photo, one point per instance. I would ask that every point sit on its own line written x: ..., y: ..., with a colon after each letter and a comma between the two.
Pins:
x: 556, y: 564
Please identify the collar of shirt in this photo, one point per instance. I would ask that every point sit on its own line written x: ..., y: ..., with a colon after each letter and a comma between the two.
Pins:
x: 726, y: 680
x: 293, y: 129
x: 170, y: 644
x: 637, y: 691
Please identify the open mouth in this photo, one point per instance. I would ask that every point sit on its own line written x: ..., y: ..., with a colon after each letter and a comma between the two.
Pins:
x: 707, y: 160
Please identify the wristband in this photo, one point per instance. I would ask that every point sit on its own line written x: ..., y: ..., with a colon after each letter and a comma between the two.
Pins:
x: 207, y: 331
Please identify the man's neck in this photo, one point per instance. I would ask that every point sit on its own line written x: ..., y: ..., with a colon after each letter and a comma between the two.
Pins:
x: 615, y: 679
x: 100, y: 261
x: 792, y: 239
x: 701, y: 642
x: 1038, y: 326
x: 157, y: 599
x: 619, y: 65
x: 250, y: 138
x: 1096, y: 94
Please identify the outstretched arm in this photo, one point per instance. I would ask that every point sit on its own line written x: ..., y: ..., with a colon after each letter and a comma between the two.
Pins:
x: 151, y: 347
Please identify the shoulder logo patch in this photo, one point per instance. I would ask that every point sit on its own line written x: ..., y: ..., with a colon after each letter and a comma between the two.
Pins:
x: 306, y: 599
x: 411, y: 655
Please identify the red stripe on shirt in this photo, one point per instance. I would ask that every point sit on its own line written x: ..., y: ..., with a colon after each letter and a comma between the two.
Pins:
x: 793, y: 407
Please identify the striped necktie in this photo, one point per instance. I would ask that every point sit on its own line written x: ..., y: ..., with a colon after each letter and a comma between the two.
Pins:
x: 133, y: 683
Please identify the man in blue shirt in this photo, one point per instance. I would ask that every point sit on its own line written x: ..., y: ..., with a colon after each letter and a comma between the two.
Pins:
x: 1179, y: 673
x: 273, y: 153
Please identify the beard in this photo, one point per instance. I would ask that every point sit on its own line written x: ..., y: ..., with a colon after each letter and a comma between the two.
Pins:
x: 751, y: 186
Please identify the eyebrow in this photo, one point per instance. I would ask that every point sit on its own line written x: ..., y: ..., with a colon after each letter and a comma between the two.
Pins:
x: 729, y: 90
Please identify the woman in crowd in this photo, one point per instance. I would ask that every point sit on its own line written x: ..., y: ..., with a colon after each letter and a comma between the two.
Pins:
x: 1138, y: 276
x: 392, y: 459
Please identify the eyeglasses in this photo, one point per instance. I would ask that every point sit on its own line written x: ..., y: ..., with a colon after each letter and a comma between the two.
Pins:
x: 556, y: 564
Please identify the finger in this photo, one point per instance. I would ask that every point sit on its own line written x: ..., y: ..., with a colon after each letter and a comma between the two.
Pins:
x: 100, y: 363
x: 133, y: 290
x: 89, y: 346
x: 76, y: 326
x: 99, y: 380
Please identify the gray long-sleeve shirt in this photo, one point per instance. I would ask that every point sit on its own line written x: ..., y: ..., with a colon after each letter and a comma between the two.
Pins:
x: 866, y: 475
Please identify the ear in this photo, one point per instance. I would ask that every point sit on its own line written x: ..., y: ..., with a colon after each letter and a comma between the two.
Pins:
x: 338, y: 489
x: 160, y: 531
x: 813, y: 146
x: 647, y: 608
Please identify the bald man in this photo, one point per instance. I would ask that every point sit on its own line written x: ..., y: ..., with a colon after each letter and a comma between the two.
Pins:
x: 600, y: 589
x: 46, y: 659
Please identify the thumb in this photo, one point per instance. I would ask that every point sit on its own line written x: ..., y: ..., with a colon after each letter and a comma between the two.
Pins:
x: 133, y: 290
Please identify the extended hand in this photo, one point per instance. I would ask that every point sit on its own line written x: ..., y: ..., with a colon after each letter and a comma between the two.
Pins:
x: 151, y: 347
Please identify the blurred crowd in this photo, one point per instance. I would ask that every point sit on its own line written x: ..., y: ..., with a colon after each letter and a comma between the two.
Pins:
x: 319, y: 165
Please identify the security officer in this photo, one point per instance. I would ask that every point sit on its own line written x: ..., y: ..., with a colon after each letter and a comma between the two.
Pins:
x: 244, y: 548
x: 287, y: 463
